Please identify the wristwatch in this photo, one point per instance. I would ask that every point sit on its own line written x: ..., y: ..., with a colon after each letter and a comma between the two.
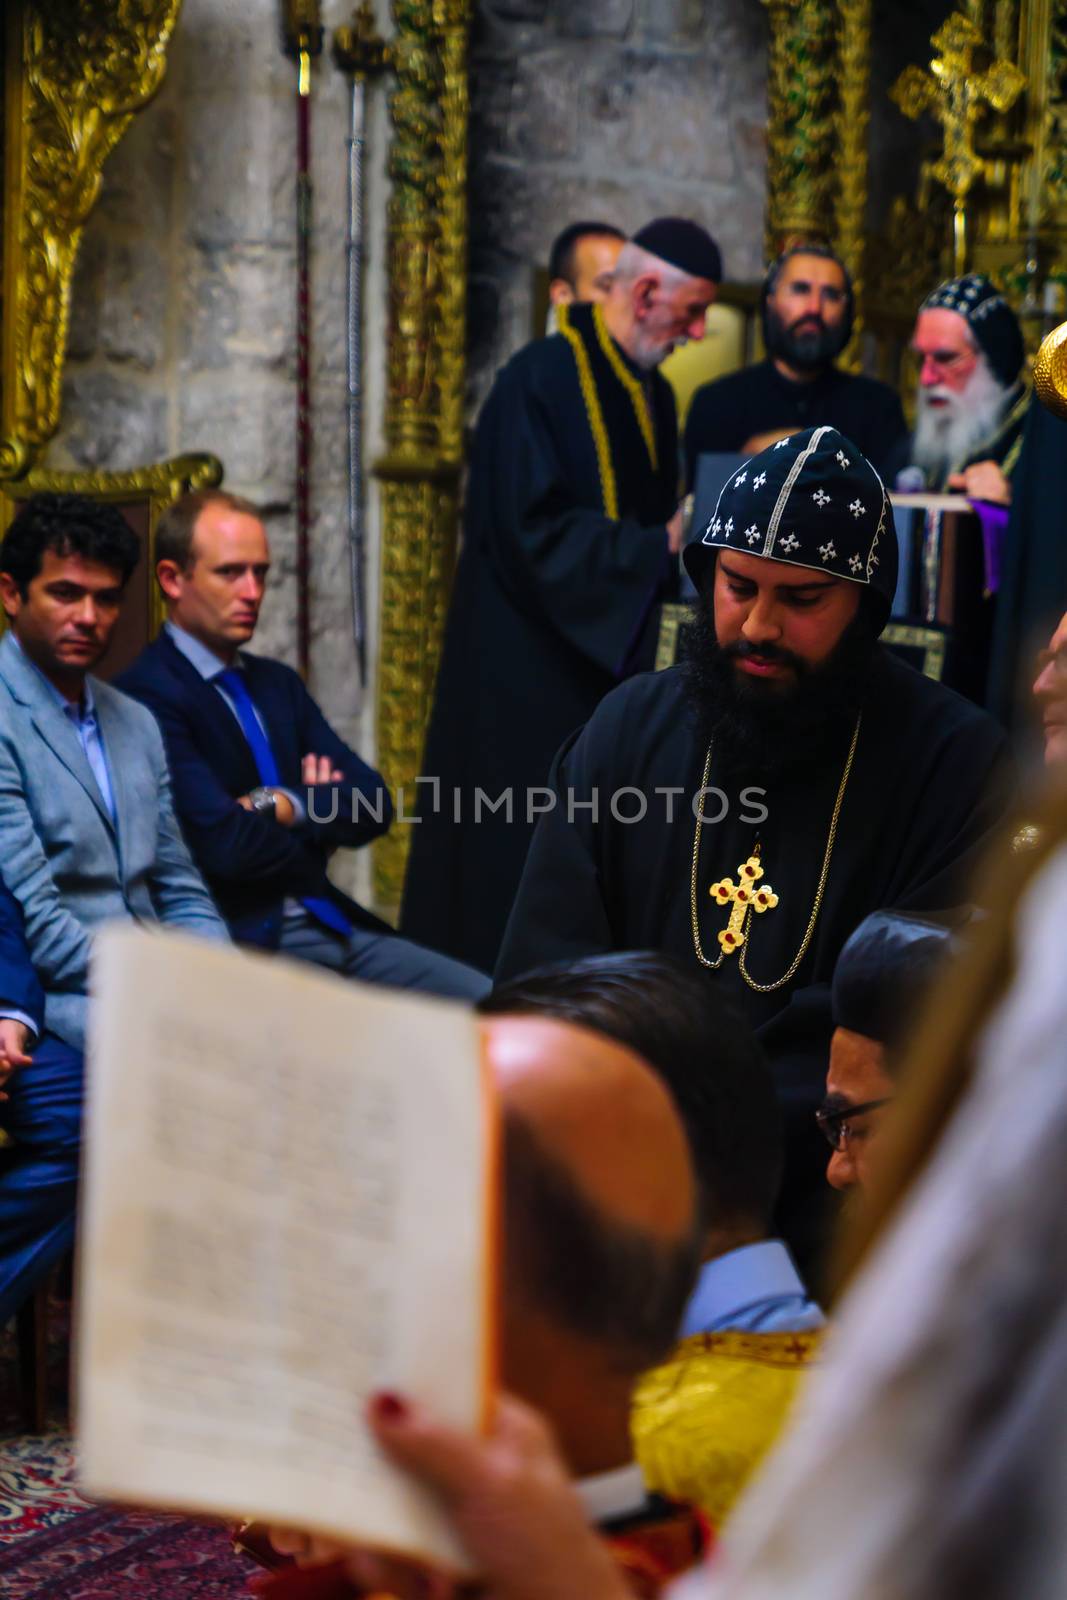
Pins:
x: 264, y: 801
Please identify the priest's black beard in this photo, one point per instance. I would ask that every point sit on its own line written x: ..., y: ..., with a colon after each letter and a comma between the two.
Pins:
x: 808, y: 348
x: 761, y: 729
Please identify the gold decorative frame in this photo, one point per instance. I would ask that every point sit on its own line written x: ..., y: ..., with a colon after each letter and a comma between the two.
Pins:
x: 75, y: 74
x: 420, y: 473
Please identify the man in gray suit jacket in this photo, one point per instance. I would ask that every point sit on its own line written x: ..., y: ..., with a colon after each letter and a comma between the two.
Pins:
x: 87, y: 829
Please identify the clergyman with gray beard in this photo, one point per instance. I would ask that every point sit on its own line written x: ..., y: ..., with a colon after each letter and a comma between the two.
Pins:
x: 881, y: 786
x: 971, y: 402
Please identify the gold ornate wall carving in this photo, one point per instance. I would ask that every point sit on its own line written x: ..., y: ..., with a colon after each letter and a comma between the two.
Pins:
x: 800, y: 123
x: 851, y: 125
x: 76, y: 72
x: 995, y: 78
x: 419, y: 475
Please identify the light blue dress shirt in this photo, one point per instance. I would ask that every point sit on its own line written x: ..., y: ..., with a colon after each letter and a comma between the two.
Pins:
x: 755, y: 1289
x: 86, y: 725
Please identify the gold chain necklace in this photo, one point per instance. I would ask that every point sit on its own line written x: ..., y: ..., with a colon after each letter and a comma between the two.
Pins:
x: 765, y: 988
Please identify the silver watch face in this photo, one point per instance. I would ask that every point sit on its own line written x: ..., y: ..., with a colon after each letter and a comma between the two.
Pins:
x: 262, y: 799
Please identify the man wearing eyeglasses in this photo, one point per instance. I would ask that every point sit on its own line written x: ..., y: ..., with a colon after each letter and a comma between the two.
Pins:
x: 881, y: 978
x: 971, y: 402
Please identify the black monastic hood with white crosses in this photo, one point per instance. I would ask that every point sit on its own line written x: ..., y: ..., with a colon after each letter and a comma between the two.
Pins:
x: 812, y: 500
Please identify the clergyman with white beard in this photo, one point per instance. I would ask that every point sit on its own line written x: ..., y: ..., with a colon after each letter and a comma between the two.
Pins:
x: 971, y: 402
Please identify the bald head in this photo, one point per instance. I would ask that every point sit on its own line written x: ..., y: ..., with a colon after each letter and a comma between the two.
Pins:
x: 599, y: 1111
x: 600, y: 1227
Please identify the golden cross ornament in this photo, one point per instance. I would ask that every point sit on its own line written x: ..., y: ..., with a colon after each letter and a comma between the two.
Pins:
x: 957, y: 91
x: 748, y: 894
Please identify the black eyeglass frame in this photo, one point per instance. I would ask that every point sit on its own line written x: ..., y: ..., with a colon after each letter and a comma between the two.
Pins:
x: 833, y: 1125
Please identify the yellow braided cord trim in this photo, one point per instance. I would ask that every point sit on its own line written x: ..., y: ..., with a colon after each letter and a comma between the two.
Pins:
x: 591, y: 401
x: 630, y: 384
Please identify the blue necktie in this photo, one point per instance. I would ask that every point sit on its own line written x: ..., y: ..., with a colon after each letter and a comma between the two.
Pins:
x: 234, y: 684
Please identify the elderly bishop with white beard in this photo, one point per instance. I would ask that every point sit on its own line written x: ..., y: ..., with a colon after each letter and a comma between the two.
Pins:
x: 971, y: 403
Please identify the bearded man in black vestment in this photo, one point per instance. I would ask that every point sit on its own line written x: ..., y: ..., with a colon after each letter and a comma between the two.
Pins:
x: 572, y: 527
x: 807, y: 314
x: 745, y: 811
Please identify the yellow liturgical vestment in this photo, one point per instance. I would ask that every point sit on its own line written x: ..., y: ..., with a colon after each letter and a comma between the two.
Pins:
x: 703, y: 1421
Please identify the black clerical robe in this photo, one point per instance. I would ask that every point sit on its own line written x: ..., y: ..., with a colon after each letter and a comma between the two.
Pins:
x: 555, y: 601
x: 759, y: 399
x: 928, y: 783
x: 1033, y: 588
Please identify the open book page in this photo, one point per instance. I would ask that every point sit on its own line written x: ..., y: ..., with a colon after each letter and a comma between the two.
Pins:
x: 926, y: 500
x: 287, y: 1204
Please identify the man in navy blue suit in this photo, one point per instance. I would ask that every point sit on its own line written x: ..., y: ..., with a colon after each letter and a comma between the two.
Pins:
x: 264, y: 789
x: 40, y: 1110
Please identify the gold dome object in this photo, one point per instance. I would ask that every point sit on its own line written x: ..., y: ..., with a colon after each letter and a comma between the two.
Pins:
x: 1050, y: 371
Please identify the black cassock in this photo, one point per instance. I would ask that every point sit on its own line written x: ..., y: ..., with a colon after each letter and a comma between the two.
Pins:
x: 554, y: 603
x: 758, y: 399
x: 929, y: 781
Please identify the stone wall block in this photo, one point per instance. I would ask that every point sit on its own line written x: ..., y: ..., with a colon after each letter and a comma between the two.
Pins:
x: 506, y: 11
x: 209, y: 311
x: 329, y: 320
x: 113, y: 422
x: 138, y: 177
x: 134, y: 304
x: 263, y: 281
x: 678, y: 22
x: 594, y: 19
x: 219, y: 156
x: 223, y: 49
x: 679, y: 131
x: 334, y: 678
x: 330, y: 436
x: 246, y: 418
x: 86, y: 289
x: 543, y: 120
x: 238, y: 306
x: 240, y: 155
x: 492, y: 93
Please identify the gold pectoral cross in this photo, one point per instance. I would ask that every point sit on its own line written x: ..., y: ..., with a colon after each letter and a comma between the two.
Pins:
x: 742, y: 897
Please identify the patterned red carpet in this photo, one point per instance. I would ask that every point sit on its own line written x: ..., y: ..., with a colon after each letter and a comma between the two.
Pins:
x: 55, y: 1546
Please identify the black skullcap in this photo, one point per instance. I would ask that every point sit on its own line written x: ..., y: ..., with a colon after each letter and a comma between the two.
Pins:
x: 812, y: 500
x: 682, y: 244
x: 883, y: 972
x: 990, y: 319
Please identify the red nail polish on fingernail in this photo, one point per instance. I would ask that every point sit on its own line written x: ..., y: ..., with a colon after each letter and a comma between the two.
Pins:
x: 388, y: 1407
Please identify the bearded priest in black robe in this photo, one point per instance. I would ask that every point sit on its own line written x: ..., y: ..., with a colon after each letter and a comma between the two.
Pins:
x: 832, y: 780
x: 571, y: 531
